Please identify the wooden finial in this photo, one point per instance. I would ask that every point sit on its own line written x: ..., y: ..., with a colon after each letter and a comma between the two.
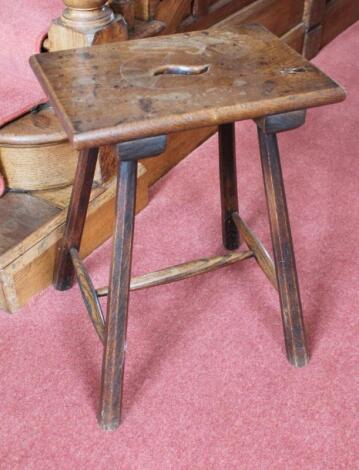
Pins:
x: 86, y: 14
x: 84, y: 23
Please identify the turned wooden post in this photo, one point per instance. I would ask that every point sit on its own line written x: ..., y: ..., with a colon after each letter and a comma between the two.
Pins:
x: 84, y: 23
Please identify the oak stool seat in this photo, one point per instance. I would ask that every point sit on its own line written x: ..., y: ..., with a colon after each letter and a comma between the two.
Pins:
x: 132, y: 95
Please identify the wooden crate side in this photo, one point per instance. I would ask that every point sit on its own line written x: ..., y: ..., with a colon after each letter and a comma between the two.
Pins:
x: 8, y: 298
x: 32, y: 271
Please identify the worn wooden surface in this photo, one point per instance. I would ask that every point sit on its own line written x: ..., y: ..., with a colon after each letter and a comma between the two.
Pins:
x: 186, y: 73
x: 21, y: 167
x: 20, y: 215
x: 282, y: 17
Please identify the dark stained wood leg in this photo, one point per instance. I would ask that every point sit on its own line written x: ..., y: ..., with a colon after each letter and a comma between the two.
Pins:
x: 76, y: 216
x: 294, y: 333
x: 228, y: 184
x: 116, y: 322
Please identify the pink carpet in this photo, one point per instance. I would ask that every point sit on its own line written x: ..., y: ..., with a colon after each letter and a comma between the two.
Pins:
x: 23, y: 26
x: 207, y: 384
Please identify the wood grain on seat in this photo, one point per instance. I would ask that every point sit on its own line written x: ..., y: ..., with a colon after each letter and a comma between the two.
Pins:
x: 124, y: 91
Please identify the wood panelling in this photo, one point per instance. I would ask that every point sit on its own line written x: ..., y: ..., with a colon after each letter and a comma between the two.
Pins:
x: 295, y: 37
x: 280, y: 16
x: 186, y: 15
x: 314, y: 11
x: 189, y: 15
x: 215, y: 13
x: 171, y: 13
x: 339, y: 15
x: 288, y: 14
x: 312, y: 42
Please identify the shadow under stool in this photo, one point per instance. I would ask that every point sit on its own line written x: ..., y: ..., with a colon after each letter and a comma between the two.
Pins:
x: 132, y: 95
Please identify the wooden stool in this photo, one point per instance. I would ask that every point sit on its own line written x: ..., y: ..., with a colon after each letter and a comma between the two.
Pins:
x: 132, y: 95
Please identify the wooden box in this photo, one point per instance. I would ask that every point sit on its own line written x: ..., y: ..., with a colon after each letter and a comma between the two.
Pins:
x: 29, y: 238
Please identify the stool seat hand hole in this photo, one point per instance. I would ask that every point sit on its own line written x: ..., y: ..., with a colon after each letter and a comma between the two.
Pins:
x: 176, y: 69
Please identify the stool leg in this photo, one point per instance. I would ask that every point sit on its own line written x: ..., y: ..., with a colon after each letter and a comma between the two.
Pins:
x: 76, y: 216
x: 116, y: 322
x: 294, y: 333
x: 228, y: 184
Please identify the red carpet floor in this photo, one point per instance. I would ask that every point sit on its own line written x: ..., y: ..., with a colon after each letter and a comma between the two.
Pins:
x: 207, y: 384
x: 23, y: 26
